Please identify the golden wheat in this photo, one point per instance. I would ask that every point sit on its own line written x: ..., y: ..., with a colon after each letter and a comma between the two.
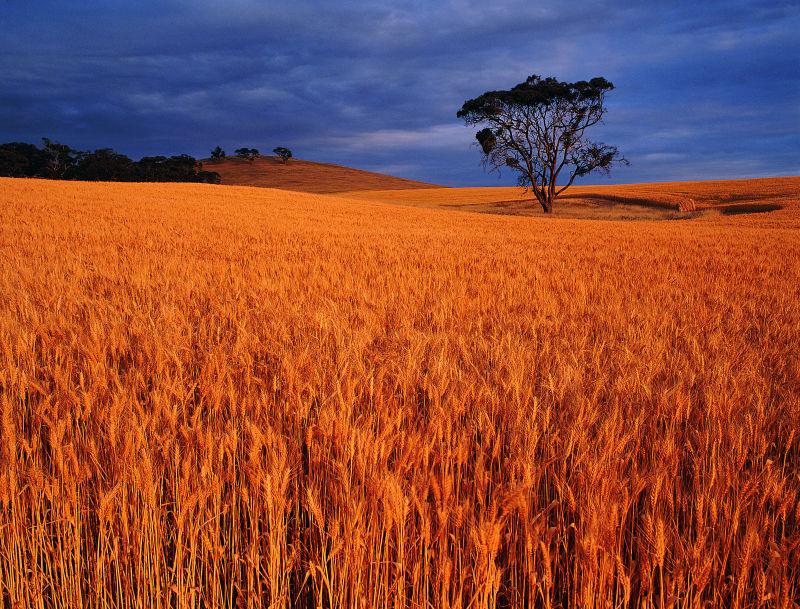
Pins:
x: 237, y: 397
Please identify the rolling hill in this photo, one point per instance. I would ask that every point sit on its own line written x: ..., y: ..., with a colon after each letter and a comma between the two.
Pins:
x: 614, y: 201
x: 305, y: 176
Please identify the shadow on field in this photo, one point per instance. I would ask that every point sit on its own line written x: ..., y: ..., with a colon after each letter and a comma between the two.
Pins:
x: 601, y: 206
x: 614, y: 200
x: 589, y: 207
x: 753, y: 208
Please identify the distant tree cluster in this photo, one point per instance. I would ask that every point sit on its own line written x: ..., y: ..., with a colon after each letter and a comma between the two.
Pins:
x: 251, y: 154
x: 60, y: 162
x: 248, y: 154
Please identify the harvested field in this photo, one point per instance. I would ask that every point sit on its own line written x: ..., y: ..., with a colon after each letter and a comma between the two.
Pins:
x: 240, y: 397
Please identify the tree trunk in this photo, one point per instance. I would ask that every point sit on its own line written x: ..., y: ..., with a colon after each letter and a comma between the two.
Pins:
x: 547, y: 205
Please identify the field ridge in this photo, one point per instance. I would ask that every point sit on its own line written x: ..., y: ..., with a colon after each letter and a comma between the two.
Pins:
x: 304, y: 176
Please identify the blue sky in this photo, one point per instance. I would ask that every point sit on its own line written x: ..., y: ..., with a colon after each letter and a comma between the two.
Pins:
x: 705, y: 89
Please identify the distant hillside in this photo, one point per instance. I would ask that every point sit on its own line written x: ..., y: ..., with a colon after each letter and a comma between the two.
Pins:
x: 728, y: 197
x: 304, y: 176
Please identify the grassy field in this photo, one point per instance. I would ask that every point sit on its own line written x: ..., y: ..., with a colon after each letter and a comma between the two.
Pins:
x: 304, y: 176
x: 665, y: 200
x: 238, y: 397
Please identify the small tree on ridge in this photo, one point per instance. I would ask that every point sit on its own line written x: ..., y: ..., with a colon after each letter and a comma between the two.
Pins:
x: 284, y: 153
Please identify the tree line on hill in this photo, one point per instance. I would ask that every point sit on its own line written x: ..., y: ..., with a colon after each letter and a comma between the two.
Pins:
x: 251, y: 154
x: 60, y: 162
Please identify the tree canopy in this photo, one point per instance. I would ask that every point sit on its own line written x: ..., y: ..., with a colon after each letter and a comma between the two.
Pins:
x: 283, y: 153
x: 538, y: 129
x: 61, y: 162
x: 248, y: 154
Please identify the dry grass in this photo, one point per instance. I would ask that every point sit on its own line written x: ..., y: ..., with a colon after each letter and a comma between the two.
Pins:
x: 619, y: 201
x: 232, y: 397
x: 304, y: 176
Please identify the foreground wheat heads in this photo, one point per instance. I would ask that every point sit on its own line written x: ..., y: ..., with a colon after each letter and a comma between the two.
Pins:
x: 231, y: 397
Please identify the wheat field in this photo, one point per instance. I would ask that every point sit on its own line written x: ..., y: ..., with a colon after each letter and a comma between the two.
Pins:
x: 240, y: 397
x: 618, y: 201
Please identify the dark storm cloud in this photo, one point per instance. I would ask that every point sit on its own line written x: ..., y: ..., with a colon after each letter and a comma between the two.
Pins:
x: 703, y: 89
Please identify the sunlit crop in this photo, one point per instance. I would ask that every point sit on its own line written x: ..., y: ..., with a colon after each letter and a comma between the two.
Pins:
x: 630, y: 200
x: 240, y: 397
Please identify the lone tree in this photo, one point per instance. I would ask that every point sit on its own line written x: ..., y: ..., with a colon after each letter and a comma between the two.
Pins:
x: 538, y: 129
x: 217, y: 154
x: 284, y: 153
x: 249, y: 154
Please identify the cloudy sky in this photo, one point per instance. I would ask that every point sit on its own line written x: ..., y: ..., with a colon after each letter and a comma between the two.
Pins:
x: 705, y: 89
